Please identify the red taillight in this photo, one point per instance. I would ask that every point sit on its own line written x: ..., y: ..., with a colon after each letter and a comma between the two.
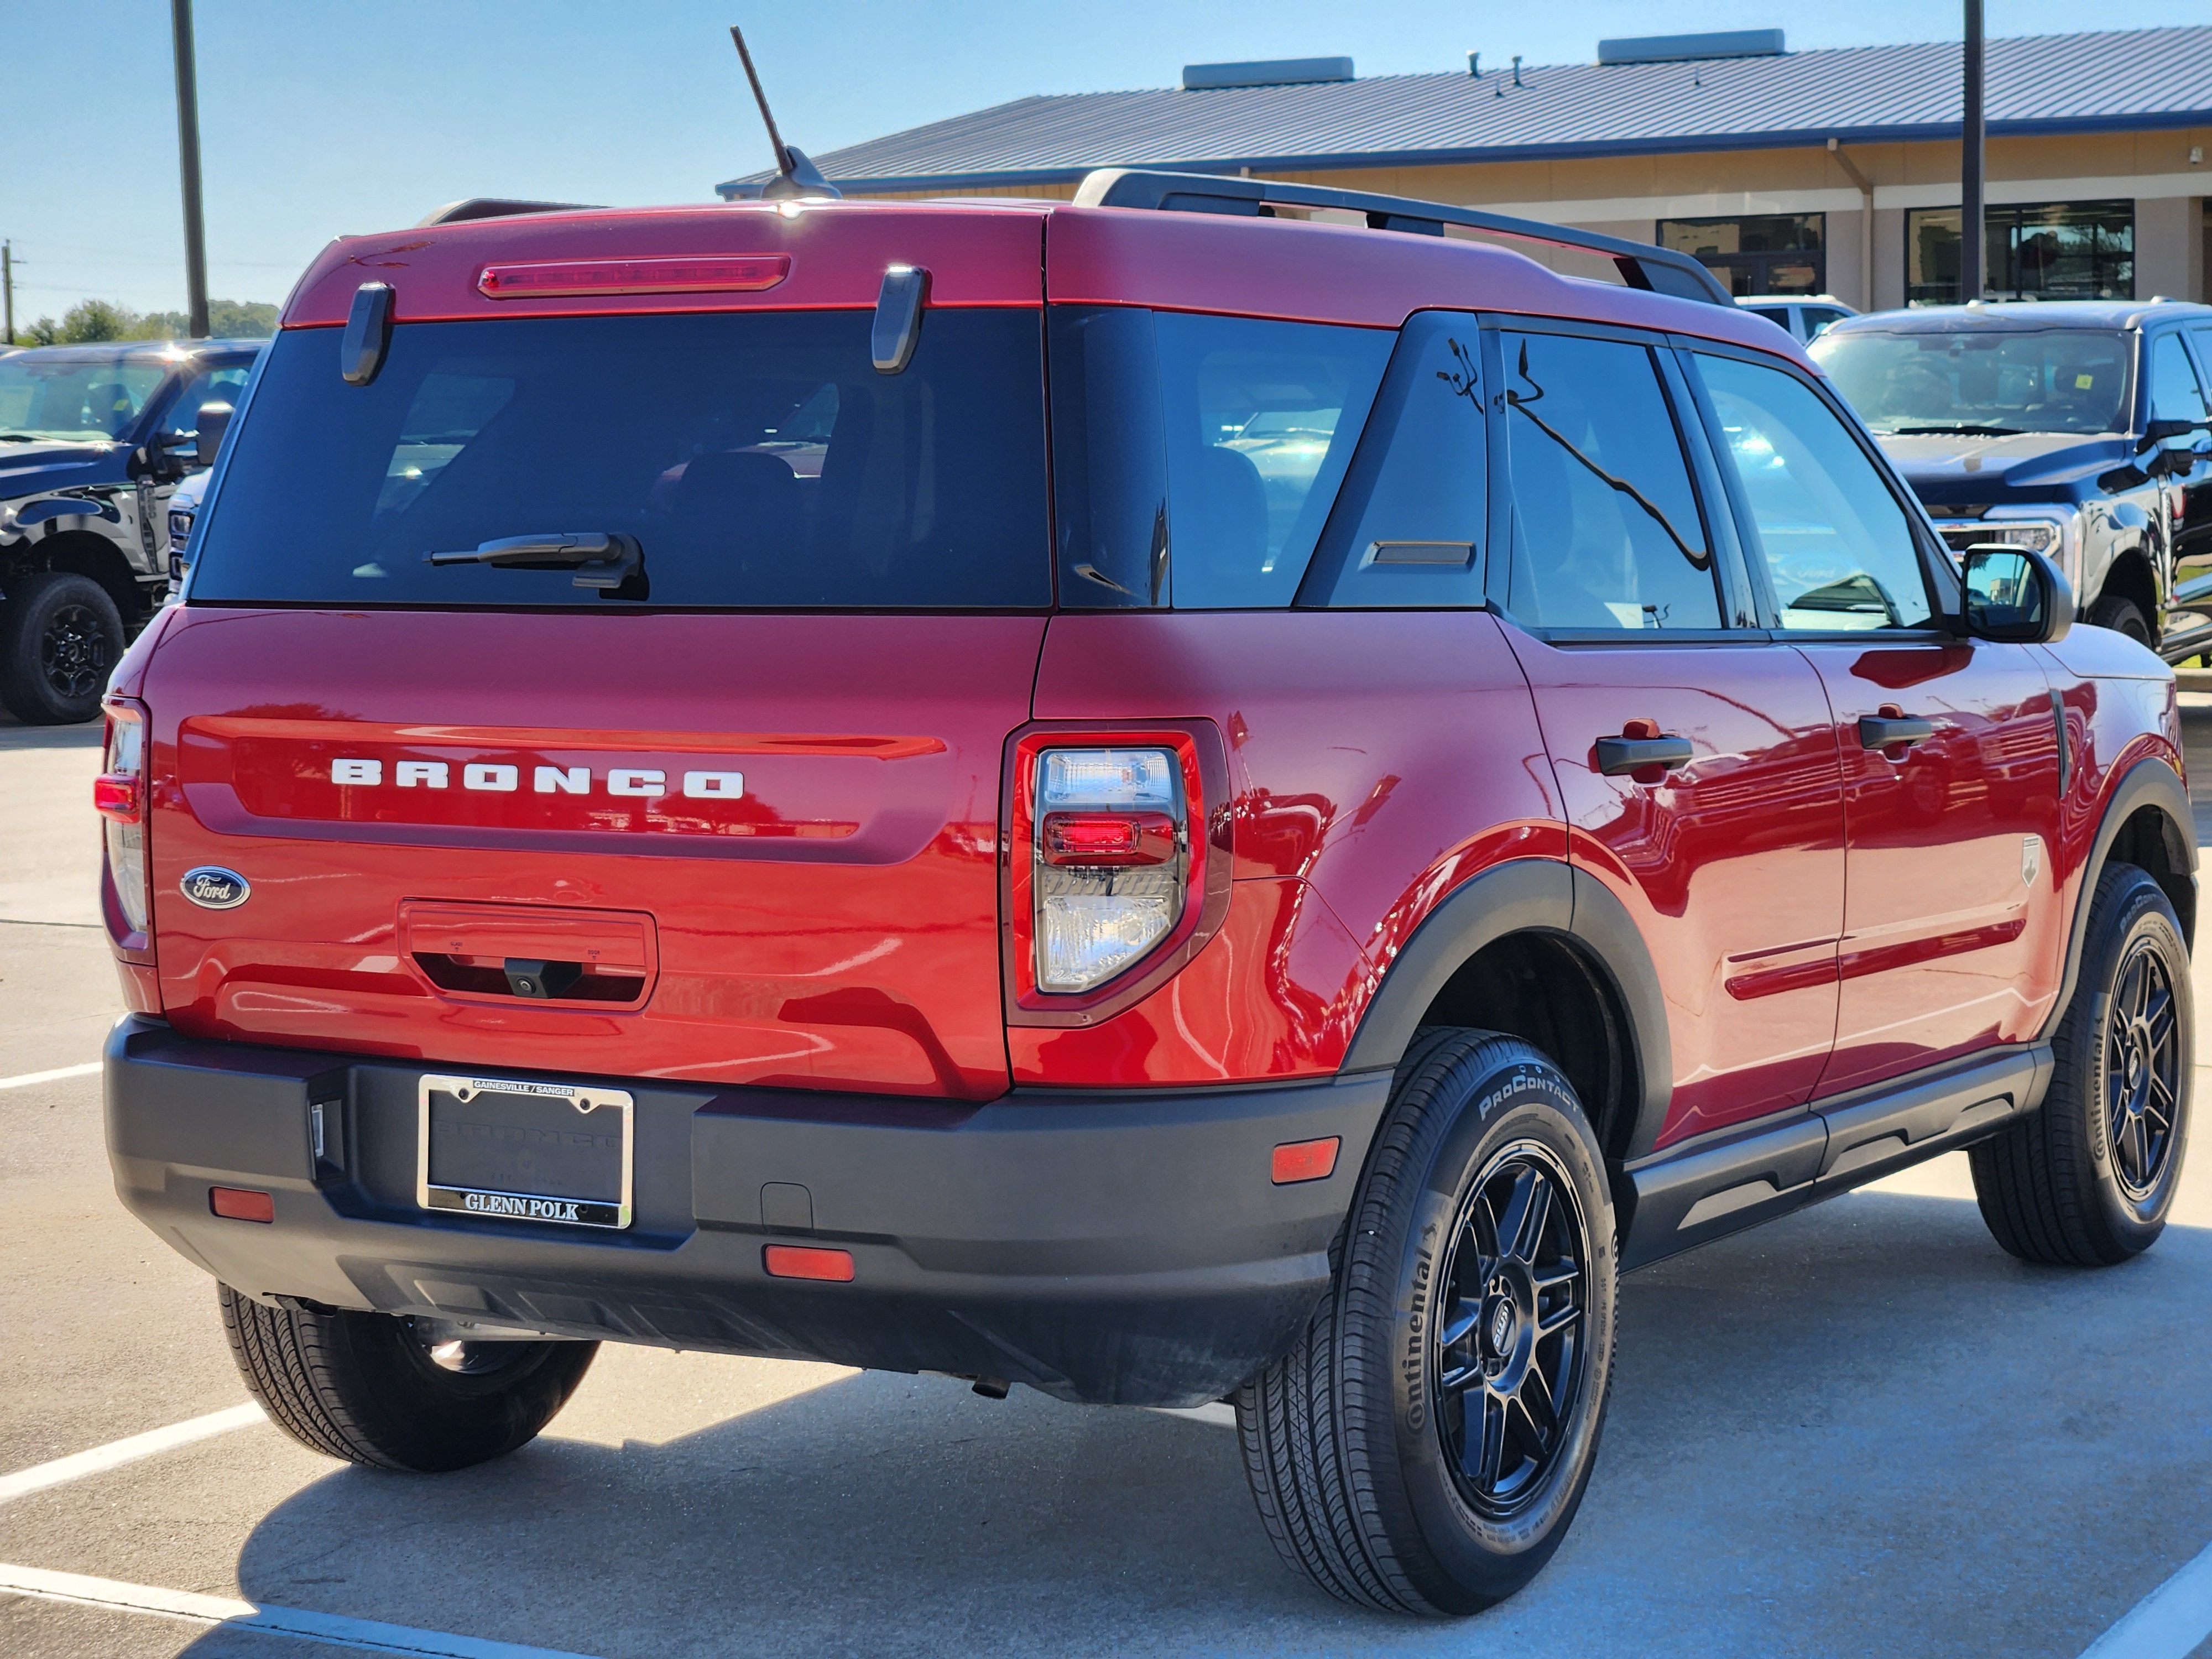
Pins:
x: 556, y: 279
x: 801, y: 1261
x: 1306, y: 1160
x: 241, y: 1204
x: 1108, y: 838
x: 118, y: 795
x: 115, y: 795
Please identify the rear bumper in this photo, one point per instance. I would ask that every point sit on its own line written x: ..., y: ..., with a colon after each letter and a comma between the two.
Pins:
x: 1126, y: 1249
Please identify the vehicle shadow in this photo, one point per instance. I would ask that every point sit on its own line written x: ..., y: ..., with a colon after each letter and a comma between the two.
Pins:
x: 1861, y: 1422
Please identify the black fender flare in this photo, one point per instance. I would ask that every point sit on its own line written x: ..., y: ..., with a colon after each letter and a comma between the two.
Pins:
x: 2149, y: 782
x: 1522, y: 896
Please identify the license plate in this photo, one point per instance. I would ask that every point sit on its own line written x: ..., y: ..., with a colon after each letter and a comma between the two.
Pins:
x: 512, y: 1151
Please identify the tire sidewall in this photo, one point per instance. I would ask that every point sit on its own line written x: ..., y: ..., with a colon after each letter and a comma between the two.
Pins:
x: 1520, y: 1099
x: 31, y: 604
x: 2141, y: 911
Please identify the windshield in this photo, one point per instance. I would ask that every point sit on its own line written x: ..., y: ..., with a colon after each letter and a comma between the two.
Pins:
x: 2052, y: 380
x: 759, y: 460
x: 72, y: 398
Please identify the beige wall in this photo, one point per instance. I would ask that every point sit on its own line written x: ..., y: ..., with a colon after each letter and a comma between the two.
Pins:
x: 1627, y: 195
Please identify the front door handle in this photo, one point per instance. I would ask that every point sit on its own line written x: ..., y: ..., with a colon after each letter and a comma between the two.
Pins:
x: 1891, y: 731
x: 1618, y: 755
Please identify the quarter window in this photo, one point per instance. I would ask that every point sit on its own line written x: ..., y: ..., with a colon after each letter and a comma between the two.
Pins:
x: 1605, y: 527
x: 1838, y: 548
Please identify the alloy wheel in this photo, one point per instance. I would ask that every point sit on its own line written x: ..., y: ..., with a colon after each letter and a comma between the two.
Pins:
x: 73, y: 652
x: 2143, y: 1070
x: 1509, y: 1356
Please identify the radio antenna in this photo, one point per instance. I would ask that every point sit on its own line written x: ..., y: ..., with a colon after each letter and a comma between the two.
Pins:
x: 795, y: 176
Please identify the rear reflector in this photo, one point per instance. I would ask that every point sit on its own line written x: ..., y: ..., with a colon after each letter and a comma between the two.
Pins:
x: 1306, y: 1160
x: 241, y: 1204
x: 115, y: 795
x: 741, y: 274
x: 798, y: 1262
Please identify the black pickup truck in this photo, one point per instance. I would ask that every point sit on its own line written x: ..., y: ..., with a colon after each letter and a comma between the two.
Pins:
x: 2077, y: 428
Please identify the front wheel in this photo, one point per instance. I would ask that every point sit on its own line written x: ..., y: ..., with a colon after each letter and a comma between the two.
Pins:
x: 2122, y: 616
x: 60, y: 637
x: 2087, y: 1180
x: 1425, y: 1447
x: 373, y: 1389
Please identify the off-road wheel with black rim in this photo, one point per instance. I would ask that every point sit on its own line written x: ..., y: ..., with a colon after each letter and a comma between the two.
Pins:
x: 2122, y: 616
x: 60, y: 637
x: 2087, y: 1180
x: 1425, y: 1446
x: 377, y: 1390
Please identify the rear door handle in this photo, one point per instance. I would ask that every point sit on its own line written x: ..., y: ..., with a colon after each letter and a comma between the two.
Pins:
x: 1885, y: 731
x: 1617, y: 755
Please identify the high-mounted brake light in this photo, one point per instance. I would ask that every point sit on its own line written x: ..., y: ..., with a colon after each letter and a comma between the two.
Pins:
x: 557, y: 279
x: 118, y: 795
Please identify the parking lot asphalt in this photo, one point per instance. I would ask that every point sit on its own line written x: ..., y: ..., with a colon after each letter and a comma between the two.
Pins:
x: 1861, y: 1430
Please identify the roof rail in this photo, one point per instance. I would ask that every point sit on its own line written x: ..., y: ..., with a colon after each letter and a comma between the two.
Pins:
x: 1660, y: 270
x: 495, y: 207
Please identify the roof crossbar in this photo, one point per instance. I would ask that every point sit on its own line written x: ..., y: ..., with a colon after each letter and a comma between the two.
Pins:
x: 1659, y: 270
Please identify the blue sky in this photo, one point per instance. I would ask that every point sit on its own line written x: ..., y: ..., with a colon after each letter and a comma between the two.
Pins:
x: 335, y: 116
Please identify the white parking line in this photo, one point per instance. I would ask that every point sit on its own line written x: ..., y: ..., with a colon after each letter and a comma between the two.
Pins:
x: 76, y: 1466
x: 2168, y: 1623
x: 228, y: 1614
x: 54, y: 1076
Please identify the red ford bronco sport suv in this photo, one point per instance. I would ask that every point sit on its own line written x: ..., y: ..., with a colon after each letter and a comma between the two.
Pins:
x: 1222, y: 790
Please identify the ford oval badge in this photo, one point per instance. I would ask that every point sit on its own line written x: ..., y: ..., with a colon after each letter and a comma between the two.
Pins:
x: 213, y: 888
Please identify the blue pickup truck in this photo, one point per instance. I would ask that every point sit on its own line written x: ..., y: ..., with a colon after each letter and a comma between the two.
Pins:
x: 2081, y: 428
x: 92, y: 440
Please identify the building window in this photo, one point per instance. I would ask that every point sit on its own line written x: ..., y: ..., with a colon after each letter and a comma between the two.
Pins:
x: 1767, y: 254
x: 2036, y: 250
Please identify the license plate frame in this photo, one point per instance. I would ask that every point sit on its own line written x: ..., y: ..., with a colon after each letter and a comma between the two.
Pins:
x: 500, y: 1202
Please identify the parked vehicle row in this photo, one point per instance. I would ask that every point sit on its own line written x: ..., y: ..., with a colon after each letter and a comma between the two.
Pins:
x: 92, y: 440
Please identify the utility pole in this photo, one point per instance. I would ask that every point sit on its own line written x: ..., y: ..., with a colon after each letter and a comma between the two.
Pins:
x: 7, y: 289
x: 1972, y: 240
x: 188, y: 161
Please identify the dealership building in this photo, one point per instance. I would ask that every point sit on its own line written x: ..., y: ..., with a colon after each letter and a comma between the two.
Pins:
x: 1831, y: 171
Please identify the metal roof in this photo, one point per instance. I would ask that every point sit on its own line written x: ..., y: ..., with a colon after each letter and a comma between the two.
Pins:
x: 2044, y: 84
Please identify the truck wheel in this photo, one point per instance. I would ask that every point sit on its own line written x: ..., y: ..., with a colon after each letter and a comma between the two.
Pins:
x: 60, y: 637
x: 2087, y: 1180
x: 2122, y: 616
x: 365, y: 1387
x: 1424, y: 1447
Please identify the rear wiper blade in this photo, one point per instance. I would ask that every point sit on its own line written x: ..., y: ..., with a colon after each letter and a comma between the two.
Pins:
x: 599, y: 559
x: 1965, y: 427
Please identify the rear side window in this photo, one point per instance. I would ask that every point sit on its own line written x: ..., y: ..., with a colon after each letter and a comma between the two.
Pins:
x: 1196, y: 457
x: 1606, y: 533
x: 1837, y: 547
x: 759, y: 459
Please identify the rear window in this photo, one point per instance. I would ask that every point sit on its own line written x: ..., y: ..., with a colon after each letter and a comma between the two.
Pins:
x: 759, y: 460
x: 1197, y: 457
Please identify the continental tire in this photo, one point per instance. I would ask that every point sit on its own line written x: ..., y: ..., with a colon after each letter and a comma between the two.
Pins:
x: 1425, y: 1446
x: 2088, y: 1180
x: 362, y: 1387
x: 60, y: 638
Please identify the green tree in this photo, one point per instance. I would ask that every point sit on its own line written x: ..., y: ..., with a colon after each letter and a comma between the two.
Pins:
x: 88, y: 320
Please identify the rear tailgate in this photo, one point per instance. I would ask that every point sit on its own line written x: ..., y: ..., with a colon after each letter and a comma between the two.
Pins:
x: 822, y: 912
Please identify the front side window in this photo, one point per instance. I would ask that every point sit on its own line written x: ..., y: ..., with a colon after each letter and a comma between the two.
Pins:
x: 1605, y: 528
x: 1837, y: 548
x: 223, y: 384
x: 2174, y: 393
x: 1196, y: 457
x: 1980, y: 381
x: 757, y: 459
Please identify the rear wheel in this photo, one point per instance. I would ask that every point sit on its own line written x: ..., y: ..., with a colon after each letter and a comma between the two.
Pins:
x: 60, y: 637
x: 1425, y: 1446
x: 376, y: 1389
x: 2087, y: 1180
x: 2122, y: 616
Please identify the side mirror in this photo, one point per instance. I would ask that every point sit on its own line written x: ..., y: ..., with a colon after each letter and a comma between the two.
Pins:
x: 215, y: 421
x: 2015, y: 595
x: 2157, y: 431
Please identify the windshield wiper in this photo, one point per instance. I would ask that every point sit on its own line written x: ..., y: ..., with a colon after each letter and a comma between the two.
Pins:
x: 1966, y: 428
x: 599, y: 560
